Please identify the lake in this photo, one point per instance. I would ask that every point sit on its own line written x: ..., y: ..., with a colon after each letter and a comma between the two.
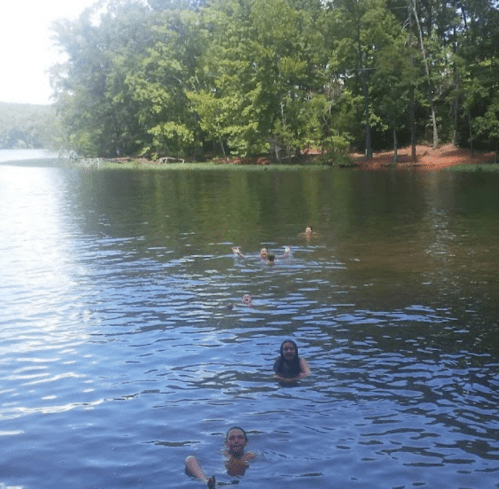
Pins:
x: 125, y: 345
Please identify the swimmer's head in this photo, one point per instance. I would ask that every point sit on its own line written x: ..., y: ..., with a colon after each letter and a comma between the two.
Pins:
x: 236, y: 440
x: 263, y: 252
x: 308, y: 230
x: 289, y: 350
x: 247, y: 299
x: 270, y: 257
x: 236, y: 428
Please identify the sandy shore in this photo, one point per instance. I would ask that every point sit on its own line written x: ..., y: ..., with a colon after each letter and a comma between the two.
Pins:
x: 428, y: 159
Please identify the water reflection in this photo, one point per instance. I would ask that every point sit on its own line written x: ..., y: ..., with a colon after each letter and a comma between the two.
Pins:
x: 124, y: 331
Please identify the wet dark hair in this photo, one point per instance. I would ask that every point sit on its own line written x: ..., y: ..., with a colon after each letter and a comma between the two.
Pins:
x: 236, y: 428
x: 286, y: 368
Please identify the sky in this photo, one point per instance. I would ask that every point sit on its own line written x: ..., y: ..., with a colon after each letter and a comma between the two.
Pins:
x: 26, y: 48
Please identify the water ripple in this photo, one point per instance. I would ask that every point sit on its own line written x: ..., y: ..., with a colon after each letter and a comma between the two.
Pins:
x: 133, y: 344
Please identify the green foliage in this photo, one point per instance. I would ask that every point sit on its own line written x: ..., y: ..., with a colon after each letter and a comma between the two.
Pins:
x: 241, y: 77
x: 28, y: 126
x: 488, y: 124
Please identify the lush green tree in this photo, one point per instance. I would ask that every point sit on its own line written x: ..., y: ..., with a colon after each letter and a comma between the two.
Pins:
x: 161, y: 81
x: 242, y: 77
x: 478, y: 49
x: 263, y: 77
x: 362, y: 29
x: 101, y: 49
x: 395, y: 78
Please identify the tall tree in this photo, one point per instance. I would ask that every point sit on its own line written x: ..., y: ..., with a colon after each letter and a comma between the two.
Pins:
x: 262, y: 61
x: 394, y: 80
x: 161, y: 80
x: 479, y: 49
x: 101, y: 48
x: 362, y: 28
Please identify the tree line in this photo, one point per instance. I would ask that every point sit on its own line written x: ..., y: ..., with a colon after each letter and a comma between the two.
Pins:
x: 27, y: 126
x: 194, y: 78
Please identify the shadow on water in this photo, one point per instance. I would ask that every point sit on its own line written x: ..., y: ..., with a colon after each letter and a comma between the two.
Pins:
x: 124, y: 330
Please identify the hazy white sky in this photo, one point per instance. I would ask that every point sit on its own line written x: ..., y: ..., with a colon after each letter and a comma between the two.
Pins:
x: 26, y: 50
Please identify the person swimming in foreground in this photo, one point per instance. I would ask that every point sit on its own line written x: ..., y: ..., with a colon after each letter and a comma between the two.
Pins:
x: 289, y: 367
x: 236, y: 459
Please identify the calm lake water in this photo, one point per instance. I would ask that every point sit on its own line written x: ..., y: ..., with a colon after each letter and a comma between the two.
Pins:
x: 124, y: 345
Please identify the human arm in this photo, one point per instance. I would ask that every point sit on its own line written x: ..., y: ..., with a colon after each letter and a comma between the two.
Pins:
x: 305, y: 369
x: 193, y: 468
x: 286, y: 379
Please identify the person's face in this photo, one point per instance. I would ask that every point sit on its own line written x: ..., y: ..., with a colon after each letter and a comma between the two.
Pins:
x: 288, y: 351
x: 236, y: 441
x: 263, y: 252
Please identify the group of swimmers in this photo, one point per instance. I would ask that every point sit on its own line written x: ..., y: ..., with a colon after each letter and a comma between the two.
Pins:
x: 289, y: 367
x: 269, y: 258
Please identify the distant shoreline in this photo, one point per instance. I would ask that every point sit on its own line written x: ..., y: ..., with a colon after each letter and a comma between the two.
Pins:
x: 428, y: 159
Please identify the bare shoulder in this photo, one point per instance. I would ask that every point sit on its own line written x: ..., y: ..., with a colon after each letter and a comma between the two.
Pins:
x: 305, y: 368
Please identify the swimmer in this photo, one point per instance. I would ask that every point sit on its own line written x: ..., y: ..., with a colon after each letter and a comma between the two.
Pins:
x: 289, y: 367
x: 237, y: 252
x: 263, y: 254
x: 236, y: 459
x: 308, y: 233
x: 247, y: 300
x: 287, y: 252
x: 270, y: 258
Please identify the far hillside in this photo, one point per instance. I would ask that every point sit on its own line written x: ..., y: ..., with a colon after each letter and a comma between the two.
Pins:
x: 27, y: 126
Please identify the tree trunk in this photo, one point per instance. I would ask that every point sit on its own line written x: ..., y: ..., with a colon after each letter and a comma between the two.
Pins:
x: 369, y: 151
x: 412, y: 106
x: 223, y: 150
x: 456, y: 118
x: 365, y: 91
x: 427, y: 69
x: 412, y: 119
x: 433, y: 121
x: 471, y: 134
x: 395, y: 146
x: 456, y: 85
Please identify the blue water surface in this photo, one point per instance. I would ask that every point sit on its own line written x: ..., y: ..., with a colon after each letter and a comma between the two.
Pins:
x: 125, y: 347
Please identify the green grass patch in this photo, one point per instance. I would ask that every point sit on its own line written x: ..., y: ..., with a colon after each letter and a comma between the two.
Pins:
x: 99, y: 164
x: 480, y: 167
x: 141, y: 165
